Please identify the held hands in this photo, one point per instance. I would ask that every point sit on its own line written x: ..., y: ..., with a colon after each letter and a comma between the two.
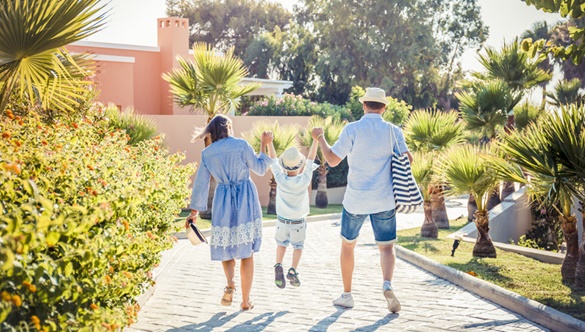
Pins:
x: 317, y: 132
x: 267, y: 138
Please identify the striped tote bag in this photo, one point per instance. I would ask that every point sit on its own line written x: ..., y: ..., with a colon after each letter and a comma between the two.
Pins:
x: 407, y: 196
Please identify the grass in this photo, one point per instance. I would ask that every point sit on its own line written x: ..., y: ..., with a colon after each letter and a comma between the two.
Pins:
x: 205, y: 223
x: 526, y: 276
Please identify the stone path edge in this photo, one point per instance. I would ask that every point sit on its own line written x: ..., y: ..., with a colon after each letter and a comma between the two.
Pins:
x: 530, y: 309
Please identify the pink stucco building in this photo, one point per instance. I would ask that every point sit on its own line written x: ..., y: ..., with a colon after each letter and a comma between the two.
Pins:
x: 131, y: 76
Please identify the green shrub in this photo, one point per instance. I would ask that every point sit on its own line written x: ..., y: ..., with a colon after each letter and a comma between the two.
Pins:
x: 526, y: 114
x: 138, y: 127
x: 291, y: 105
x: 397, y: 111
x: 84, y: 219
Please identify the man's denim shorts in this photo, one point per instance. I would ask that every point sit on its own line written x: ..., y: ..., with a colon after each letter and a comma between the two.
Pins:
x: 383, y: 224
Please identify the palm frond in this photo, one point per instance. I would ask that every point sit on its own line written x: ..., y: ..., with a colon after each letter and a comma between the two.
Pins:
x: 284, y: 136
x: 422, y: 170
x: 32, y: 59
x: 566, y: 93
x: 433, y: 130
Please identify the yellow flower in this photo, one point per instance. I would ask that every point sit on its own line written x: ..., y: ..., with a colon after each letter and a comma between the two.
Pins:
x: 127, y: 274
x: 16, y: 300
x: 93, y: 306
x: 35, y: 320
x: 5, y: 135
x: 6, y: 297
x: 108, y: 279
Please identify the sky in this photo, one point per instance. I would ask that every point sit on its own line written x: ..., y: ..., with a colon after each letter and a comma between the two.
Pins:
x: 134, y: 22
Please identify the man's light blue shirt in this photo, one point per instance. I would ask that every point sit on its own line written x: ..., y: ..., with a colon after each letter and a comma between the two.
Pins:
x: 367, y: 144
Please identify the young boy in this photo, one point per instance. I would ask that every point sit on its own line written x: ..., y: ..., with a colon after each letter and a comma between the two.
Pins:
x: 292, y: 206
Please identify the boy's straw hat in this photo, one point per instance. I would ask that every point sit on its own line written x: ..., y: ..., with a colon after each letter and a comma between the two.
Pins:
x: 374, y: 94
x: 292, y: 159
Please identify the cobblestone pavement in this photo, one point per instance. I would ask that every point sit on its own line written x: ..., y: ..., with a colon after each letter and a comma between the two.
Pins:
x: 189, y: 289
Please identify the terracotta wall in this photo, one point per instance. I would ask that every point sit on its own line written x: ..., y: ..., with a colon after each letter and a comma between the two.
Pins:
x: 179, y: 128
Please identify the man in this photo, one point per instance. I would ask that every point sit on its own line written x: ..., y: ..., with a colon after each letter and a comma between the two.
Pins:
x: 367, y: 144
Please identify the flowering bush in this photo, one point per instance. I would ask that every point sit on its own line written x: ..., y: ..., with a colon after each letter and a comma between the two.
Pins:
x: 291, y: 105
x: 84, y: 219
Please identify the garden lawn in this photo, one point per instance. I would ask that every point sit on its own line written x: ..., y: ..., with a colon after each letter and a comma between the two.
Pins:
x: 525, y: 276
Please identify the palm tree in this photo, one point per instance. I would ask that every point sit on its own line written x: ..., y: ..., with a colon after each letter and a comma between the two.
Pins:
x: 331, y: 129
x: 33, y: 60
x: 485, y: 107
x: 567, y: 92
x: 209, y: 83
x: 434, y: 131
x: 284, y: 138
x: 552, y: 153
x: 467, y: 172
x: 422, y: 170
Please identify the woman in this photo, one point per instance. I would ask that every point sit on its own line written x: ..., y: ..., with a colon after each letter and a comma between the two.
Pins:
x: 236, y: 231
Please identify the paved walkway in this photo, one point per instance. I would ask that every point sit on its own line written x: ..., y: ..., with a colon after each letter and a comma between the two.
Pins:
x: 189, y: 289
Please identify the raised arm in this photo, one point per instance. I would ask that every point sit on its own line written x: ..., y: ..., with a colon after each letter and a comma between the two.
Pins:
x: 331, y: 158
x: 313, y: 150
x: 271, y: 150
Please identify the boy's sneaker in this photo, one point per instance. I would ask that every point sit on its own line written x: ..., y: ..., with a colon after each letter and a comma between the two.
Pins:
x: 345, y: 300
x: 293, y: 277
x: 393, y: 304
x: 279, y: 276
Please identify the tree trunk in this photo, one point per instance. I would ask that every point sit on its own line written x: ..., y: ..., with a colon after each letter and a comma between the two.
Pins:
x: 471, y: 208
x: 271, y: 209
x: 571, y: 234
x: 580, y: 270
x: 321, y: 198
x: 494, y: 199
x: 429, y: 229
x: 439, y: 210
x: 508, y: 189
x: 212, y: 185
x: 483, y: 245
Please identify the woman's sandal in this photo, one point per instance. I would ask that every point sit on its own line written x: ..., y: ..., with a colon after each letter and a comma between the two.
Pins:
x: 228, y: 295
x: 249, y: 307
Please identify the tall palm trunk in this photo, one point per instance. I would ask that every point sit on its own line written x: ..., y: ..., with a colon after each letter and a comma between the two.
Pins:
x: 471, y: 208
x: 439, y: 210
x: 321, y: 200
x: 580, y: 271
x: 271, y: 209
x: 571, y: 234
x: 484, y: 246
x: 429, y: 228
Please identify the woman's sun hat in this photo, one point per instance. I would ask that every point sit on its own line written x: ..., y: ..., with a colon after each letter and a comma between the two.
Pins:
x: 374, y: 94
x: 292, y: 159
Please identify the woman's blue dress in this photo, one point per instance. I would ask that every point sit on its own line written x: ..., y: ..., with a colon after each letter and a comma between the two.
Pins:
x: 236, y: 221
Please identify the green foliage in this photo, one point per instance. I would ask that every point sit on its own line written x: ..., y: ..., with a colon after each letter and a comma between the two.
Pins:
x: 567, y: 92
x: 33, y: 61
x: 513, y: 66
x: 291, y: 105
x: 396, y: 111
x: 433, y: 130
x: 486, y: 104
x: 526, y: 114
x: 467, y: 171
x: 284, y: 136
x: 138, y: 127
x: 85, y: 218
x: 572, y: 8
x: 545, y: 233
x: 210, y: 82
x: 422, y: 170
x: 552, y: 153
x: 353, y: 104
x: 229, y: 23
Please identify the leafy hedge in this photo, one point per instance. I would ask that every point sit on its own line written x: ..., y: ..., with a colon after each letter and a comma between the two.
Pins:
x: 84, y: 219
x: 291, y: 105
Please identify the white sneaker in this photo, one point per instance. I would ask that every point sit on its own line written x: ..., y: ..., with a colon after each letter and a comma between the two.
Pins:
x: 393, y: 304
x: 345, y: 300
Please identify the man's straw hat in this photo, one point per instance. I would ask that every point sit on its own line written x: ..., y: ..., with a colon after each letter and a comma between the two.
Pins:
x: 374, y: 94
